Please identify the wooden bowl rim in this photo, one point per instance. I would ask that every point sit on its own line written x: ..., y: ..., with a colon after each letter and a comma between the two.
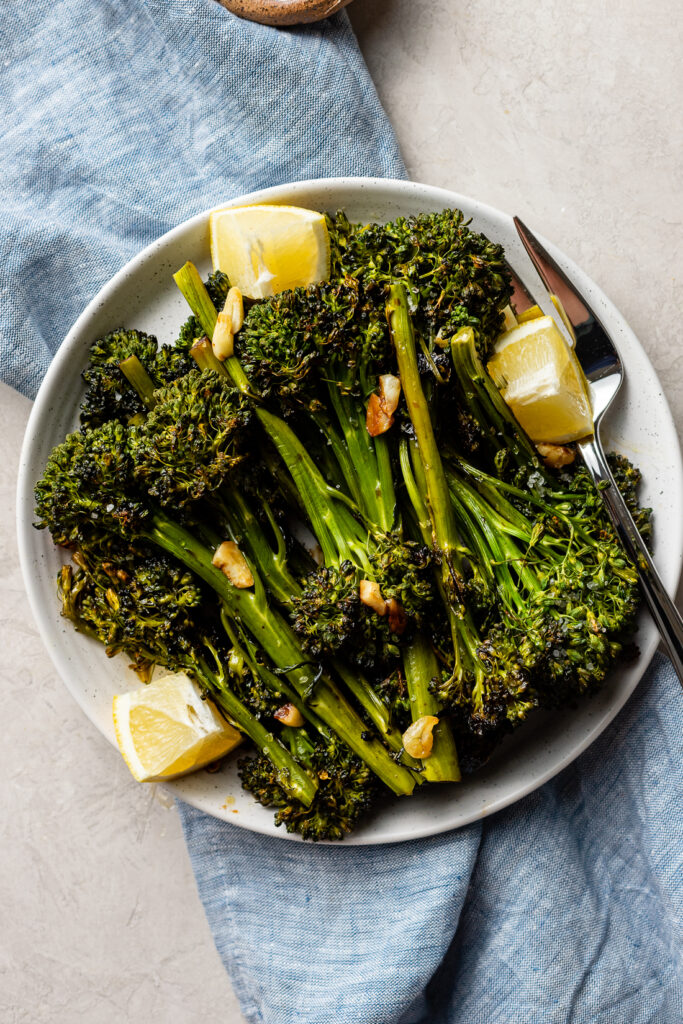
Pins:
x: 284, y: 12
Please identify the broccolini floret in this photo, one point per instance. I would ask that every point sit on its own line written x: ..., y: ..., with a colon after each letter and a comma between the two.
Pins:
x: 347, y: 789
x: 454, y: 276
x: 108, y: 395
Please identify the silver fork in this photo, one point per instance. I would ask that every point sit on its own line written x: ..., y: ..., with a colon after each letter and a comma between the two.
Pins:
x: 602, y: 366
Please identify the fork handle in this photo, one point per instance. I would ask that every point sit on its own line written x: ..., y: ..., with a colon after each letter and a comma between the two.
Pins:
x: 667, y: 618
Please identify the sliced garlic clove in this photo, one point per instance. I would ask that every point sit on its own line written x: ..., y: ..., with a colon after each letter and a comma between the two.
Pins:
x: 377, y: 420
x: 234, y: 308
x: 371, y: 595
x: 398, y: 620
x: 289, y: 715
x: 223, y: 341
x: 418, y: 739
x: 389, y: 392
x: 232, y: 563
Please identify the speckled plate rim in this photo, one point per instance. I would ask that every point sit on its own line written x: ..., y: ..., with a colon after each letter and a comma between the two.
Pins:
x: 543, y: 748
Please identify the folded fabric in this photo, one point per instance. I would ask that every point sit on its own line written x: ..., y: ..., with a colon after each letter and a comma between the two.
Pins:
x: 564, y: 908
x: 119, y: 119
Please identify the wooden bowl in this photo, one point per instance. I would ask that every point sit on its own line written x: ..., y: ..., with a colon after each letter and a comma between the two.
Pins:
x: 284, y: 12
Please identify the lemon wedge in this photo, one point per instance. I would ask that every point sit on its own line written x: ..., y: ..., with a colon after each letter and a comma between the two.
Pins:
x: 165, y: 729
x: 542, y: 382
x: 533, y: 312
x: 269, y: 249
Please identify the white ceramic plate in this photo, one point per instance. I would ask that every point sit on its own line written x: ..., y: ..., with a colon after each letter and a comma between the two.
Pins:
x: 143, y: 295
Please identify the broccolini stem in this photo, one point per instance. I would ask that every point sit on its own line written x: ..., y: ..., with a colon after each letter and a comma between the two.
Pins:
x: 280, y: 644
x: 239, y: 377
x: 204, y: 357
x: 373, y: 706
x: 336, y: 530
x: 421, y: 667
x: 198, y: 299
x: 137, y: 376
x: 299, y: 744
x: 503, y: 550
x: 387, y: 493
x: 492, y: 488
x: 491, y: 561
x: 487, y: 405
x: 414, y: 493
x: 375, y: 487
x: 272, y: 565
x: 291, y: 776
x: 276, y: 684
x: 438, y: 498
x: 335, y: 461
x: 459, y: 620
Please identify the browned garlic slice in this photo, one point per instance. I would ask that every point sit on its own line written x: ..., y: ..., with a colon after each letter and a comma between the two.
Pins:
x: 232, y: 563
x: 556, y: 455
x: 289, y: 715
x: 223, y: 341
x: 418, y: 739
x: 382, y: 406
x: 371, y: 595
x: 398, y: 620
x: 230, y: 319
x: 234, y: 307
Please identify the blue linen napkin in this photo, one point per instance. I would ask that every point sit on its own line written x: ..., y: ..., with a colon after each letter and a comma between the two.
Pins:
x: 120, y: 118
x: 563, y: 909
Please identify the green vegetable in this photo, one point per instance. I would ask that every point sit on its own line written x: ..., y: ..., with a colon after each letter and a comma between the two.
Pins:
x: 491, y: 585
x: 89, y: 491
x: 347, y: 789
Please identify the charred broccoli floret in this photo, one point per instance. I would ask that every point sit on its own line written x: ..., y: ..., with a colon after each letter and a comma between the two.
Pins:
x: 263, y: 700
x: 347, y: 789
x: 331, y: 620
x: 138, y: 602
x: 628, y: 478
x: 393, y: 691
x: 299, y: 340
x: 86, y: 488
x: 494, y: 693
x: 454, y: 276
x: 108, y: 395
x: 192, y: 438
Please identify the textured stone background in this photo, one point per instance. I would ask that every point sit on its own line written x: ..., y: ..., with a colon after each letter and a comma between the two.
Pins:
x: 567, y: 114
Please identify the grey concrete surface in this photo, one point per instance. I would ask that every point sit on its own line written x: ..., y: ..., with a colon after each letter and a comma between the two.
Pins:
x: 567, y: 114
